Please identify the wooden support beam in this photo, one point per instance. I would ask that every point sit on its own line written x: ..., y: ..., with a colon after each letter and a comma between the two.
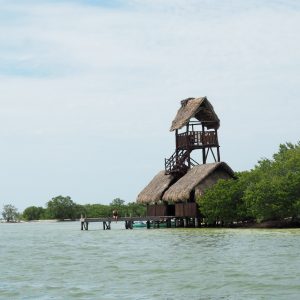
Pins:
x: 106, y: 225
x: 169, y: 224
x: 203, y: 156
x: 212, y: 152
x: 86, y: 225
x: 129, y: 224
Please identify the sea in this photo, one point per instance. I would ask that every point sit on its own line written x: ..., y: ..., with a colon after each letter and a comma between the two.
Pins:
x: 56, y: 260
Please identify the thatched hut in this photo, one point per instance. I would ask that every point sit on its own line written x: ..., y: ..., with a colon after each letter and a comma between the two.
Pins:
x: 152, y: 194
x: 192, y: 185
x: 196, y: 128
x: 198, y: 108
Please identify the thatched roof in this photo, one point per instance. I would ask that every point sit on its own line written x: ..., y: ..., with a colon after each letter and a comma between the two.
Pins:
x: 181, y: 190
x: 154, y: 190
x: 199, y: 108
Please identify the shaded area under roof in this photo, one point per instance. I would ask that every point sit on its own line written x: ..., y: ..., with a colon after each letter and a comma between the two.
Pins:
x: 154, y: 190
x: 199, y: 108
x: 180, y: 191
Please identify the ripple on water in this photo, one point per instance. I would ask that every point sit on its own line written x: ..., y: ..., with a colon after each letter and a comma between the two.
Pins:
x: 58, y: 261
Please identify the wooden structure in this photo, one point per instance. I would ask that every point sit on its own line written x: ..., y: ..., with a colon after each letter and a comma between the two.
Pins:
x: 196, y: 128
x: 171, y: 195
x: 174, y: 190
x: 193, y: 185
x: 153, y: 222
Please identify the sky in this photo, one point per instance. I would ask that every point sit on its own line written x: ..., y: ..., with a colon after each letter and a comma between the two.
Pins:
x: 88, y: 89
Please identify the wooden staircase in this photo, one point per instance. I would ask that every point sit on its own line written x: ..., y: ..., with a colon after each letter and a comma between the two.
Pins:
x: 179, y: 162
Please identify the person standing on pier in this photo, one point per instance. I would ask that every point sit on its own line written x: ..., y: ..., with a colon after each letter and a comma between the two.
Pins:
x: 115, y: 215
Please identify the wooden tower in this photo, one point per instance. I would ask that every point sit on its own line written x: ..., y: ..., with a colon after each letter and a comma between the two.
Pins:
x: 196, y: 128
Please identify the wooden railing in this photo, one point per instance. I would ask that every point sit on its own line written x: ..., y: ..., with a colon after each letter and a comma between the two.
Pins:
x: 191, y: 139
x: 176, y: 163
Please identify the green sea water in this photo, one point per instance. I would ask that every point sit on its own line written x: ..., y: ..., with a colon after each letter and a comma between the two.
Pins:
x: 59, y: 261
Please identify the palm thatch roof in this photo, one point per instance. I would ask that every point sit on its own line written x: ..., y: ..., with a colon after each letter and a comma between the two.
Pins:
x: 154, y: 190
x: 181, y: 190
x: 199, y: 108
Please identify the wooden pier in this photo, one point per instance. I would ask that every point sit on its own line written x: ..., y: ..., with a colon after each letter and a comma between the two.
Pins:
x: 154, y: 222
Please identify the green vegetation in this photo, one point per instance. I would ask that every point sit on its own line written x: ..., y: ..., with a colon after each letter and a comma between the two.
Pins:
x: 33, y: 213
x: 10, y: 213
x: 271, y: 191
x: 63, y: 208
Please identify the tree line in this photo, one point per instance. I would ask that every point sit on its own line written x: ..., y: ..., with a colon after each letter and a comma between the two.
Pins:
x: 270, y: 191
x: 63, y: 207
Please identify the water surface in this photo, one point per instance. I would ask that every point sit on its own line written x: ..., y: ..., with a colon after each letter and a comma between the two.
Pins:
x: 58, y: 261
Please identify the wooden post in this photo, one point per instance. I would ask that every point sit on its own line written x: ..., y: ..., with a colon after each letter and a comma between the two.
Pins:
x: 184, y: 222
x: 218, y: 147
x: 203, y: 156
x: 129, y: 224
x: 168, y: 223
x: 148, y: 224
x: 218, y: 153
x: 202, y: 142
x: 196, y: 222
x: 187, y: 142
x: 176, y: 148
x: 106, y: 225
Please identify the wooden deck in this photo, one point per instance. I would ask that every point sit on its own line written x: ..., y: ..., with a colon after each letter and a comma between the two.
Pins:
x: 196, y: 140
x: 151, y: 221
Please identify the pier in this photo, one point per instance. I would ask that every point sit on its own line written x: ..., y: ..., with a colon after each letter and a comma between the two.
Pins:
x: 154, y: 222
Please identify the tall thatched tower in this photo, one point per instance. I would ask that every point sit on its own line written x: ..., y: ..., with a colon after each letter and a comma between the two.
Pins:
x: 173, y: 191
x: 195, y: 125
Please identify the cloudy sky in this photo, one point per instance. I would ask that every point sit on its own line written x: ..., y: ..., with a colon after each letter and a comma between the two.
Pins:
x: 88, y: 89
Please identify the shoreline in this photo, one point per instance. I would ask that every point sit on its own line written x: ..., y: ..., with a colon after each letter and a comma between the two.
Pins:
x: 279, y: 224
x: 275, y: 224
